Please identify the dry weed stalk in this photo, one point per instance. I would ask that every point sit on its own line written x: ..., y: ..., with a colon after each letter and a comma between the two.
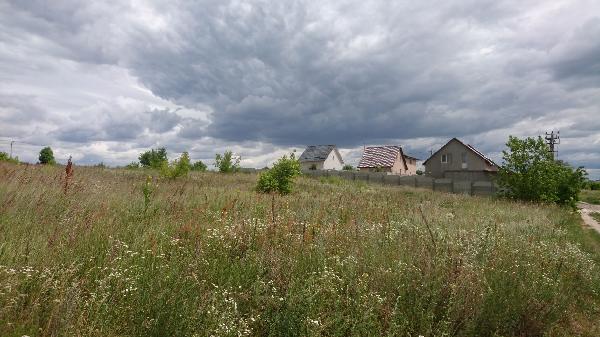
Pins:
x: 69, y: 174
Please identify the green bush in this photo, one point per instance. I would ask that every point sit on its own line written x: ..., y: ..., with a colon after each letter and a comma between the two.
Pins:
x: 5, y: 157
x: 46, y: 156
x: 530, y: 173
x: 348, y: 167
x: 280, y: 178
x: 178, y: 168
x: 226, y: 163
x: 155, y: 159
x: 133, y: 166
x: 199, y: 166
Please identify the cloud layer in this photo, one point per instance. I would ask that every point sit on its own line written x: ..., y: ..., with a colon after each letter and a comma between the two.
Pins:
x: 105, y: 81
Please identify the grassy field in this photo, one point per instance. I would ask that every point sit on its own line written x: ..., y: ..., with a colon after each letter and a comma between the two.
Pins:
x: 589, y: 196
x: 202, y: 256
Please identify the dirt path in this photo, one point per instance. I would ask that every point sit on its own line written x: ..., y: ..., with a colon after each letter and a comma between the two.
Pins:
x: 586, y: 209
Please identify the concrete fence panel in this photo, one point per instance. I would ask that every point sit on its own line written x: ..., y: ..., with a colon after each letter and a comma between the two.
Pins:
x: 408, y: 181
x: 391, y: 180
x: 424, y: 182
x: 443, y: 185
x: 348, y: 175
x: 483, y: 188
x: 462, y: 187
x: 364, y: 176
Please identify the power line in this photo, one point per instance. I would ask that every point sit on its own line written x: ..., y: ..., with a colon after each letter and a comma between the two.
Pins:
x: 553, y: 139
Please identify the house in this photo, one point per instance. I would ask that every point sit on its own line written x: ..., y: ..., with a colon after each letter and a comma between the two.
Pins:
x: 321, y: 157
x: 389, y: 159
x: 460, y: 161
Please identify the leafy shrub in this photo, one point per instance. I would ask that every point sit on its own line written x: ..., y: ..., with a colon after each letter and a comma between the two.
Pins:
x: 199, y: 166
x: 178, y: 168
x: 348, y: 167
x: 132, y: 166
x: 226, y: 163
x: 155, y: 159
x: 530, y: 173
x: 280, y: 178
x: 419, y: 172
x: 5, y: 157
x: 46, y: 156
x: 594, y: 185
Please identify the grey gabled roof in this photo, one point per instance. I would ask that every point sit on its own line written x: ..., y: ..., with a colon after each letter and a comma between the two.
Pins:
x: 318, y: 153
x: 468, y: 146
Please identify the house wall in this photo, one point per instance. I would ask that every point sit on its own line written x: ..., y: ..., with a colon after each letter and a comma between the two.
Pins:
x: 436, y: 169
x: 333, y: 162
x: 306, y: 165
x: 412, y: 167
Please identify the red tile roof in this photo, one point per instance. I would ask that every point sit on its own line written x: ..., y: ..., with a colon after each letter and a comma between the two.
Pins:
x: 381, y: 156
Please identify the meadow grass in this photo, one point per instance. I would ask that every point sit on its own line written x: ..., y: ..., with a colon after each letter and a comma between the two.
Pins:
x: 590, y: 196
x: 123, y: 255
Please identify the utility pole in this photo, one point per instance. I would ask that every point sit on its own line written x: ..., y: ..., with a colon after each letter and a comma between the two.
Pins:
x: 11, y: 144
x: 553, y: 139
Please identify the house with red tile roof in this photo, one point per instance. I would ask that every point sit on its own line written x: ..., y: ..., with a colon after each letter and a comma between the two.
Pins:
x: 389, y: 158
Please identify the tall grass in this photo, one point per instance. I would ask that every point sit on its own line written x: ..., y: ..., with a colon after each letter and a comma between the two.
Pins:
x: 202, y: 256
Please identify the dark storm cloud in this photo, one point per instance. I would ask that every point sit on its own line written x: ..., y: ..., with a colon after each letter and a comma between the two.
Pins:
x: 288, y: 73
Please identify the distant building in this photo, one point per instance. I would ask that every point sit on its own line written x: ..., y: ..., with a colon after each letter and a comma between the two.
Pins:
x: 460, y: 161
x: 389, y: 159
x: 321, y: 157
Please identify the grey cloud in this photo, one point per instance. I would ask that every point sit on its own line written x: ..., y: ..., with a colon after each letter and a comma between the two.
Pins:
x: 346, y: 72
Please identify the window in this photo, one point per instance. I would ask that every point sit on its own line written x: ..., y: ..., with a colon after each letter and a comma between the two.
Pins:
x: 464, y: 157
x: 444, y: 158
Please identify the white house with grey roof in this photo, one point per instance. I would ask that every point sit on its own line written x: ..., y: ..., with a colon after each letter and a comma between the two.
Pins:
x: 321, y: 157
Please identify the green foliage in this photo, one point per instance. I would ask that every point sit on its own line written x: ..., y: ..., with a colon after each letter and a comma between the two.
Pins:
x: 226, y: 163
x: 133, y: 166
x: 5, y: 157
x: 531, y: 174
x: 280, y: 178
x: 178, y: 168
x: 199, y: 166
x: 147, y: 190
x: 420, y: 172
x: 348, y: 167
x: 155, y: 159
x: 339, y: 261
x: 47, y: 156
x: 594, y: 185
x: 590, y: 196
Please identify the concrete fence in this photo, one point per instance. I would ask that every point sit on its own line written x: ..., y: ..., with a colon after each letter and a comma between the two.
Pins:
x: 483, y: 188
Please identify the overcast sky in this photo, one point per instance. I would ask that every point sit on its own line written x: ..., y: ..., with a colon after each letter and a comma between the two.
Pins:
x: 103, y: 81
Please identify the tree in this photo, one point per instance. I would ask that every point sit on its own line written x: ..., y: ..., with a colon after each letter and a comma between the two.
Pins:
x: 47, y: 156
x: 133, y: 165
x: 154, y: 158
x: 226, y: 163
x: 348, y: 167
x: 530, y: 173
x: 178, y: 168
x: 419, y: 172
x: 280, y: 178
x: 5, y: 157
x: 199, y: 166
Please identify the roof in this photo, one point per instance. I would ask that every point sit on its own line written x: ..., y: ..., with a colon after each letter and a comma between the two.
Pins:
x: 381, y: 156
x: 410, y: 157
x: 468, y: 146
x: 318, y: 153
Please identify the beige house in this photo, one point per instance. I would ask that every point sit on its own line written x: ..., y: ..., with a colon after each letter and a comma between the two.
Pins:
x: 321, y: 157
x: 460, y: 161
x: 389, y: 159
